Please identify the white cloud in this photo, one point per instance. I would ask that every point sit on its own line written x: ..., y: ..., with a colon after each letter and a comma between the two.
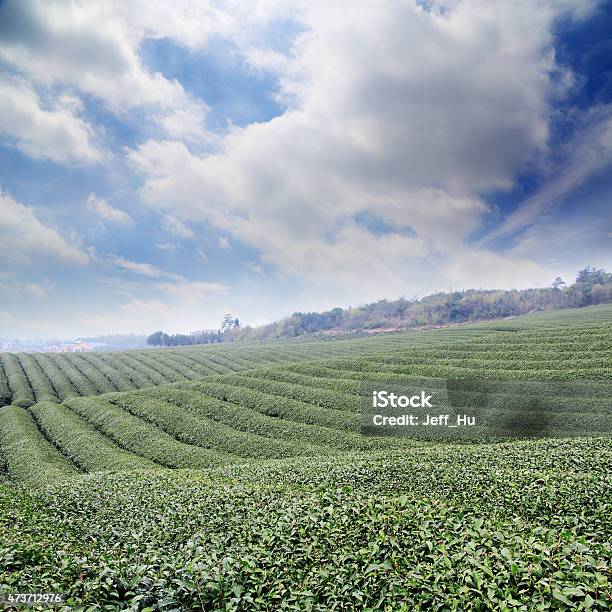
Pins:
x: 94, y: 48
x: 174, y: 304
x: 134, y: 316
x: 177, y: 227
x: 23, y: 237
x: 495, y: 270
x: 146, y: 308
x: 145, y: 315
x: 168, y: 246
x: 224, y: 243
x: 108, y: 213
x: 172, y: 286
x: 38, y: 290
x: 397, y: 114
x: 192, y: 292
x: 190, y: 23
x: 394, y: 111
x: 254, y: 266
x: 54, y: 132
x: 266, y: 60
x: 571, y: 241
x: 589, y: 153
x: 186, y: 121
x: 145, y: 269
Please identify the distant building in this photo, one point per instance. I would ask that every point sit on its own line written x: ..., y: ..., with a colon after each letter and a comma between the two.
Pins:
x: 82, y: 347
x: 78, y: 347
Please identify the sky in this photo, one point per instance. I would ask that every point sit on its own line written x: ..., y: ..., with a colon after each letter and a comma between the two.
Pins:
x: 162, y: 164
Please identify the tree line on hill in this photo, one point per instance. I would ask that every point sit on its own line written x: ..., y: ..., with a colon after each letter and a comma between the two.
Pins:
x: 206, y: 336
x: 592, y: 286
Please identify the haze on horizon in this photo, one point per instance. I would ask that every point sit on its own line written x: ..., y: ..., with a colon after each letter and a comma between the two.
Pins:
x: 162, y: 164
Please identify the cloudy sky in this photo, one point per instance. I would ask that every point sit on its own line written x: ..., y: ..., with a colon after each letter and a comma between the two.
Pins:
x: 162, y: 163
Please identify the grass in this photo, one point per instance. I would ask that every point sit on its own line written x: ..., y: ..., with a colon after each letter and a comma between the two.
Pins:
x: 254, y: 489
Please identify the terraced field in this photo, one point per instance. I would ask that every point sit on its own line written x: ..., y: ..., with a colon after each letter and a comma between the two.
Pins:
x: 26, y: 379
x: 250, y: 486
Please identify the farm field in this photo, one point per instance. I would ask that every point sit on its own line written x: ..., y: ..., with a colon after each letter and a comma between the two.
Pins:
x: 27, y: 379
x: 251, y: 487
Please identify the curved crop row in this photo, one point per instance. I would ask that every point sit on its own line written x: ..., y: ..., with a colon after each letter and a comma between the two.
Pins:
x: 232, y: 360
x: 212, y: 366
x: 304, y: 380
x: 21, y: 391
x: 325, y: 398
x: 61, y: 383
x: 81, y: 443
x: 188, y: 360
x: 142, y: 438
x: 113, y: 373
x: 485, y: 370
x: 99, y: 381
x: 165, y: 371
x: 30, y: 458
x: 144, y: 369
x: 202, y: 431
x: 514, y: 362
x: 272, y: 405
x: 39, y: 381
x: 501, y: 350
x: 218, y: 363
x: 243, y: 418
x: 136, y: 375
x: 5, y: 392
x: 262, y: 355
x: 182, y: 366
x: 80, y: 383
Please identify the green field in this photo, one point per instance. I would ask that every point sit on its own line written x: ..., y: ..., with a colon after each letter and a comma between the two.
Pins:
x: 27, y: 379
x: 234, y: 477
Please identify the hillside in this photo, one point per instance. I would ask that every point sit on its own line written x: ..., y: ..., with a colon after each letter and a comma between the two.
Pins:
x: 29, y: 378
x: 591, y: 287
x: 254, y: 489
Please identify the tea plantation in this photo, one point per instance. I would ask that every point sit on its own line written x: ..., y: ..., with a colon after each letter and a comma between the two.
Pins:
x: 236, y: 478
x: 26, y: 379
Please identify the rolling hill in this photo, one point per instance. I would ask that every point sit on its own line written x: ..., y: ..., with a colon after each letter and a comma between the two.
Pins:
x: 29, y: 378
x: 235, y: 477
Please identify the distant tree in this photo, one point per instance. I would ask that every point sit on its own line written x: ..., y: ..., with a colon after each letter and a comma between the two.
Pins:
x: 203, y: 337
x: 227, y: 323
x: 455, y: 307
x: 592, y: 276
x: 155, y: 339
x: 587, y: 279
x: 592, y: 286
x: 558, y: 283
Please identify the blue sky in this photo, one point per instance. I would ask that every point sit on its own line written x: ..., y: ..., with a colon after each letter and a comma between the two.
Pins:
x: 163, y: 164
